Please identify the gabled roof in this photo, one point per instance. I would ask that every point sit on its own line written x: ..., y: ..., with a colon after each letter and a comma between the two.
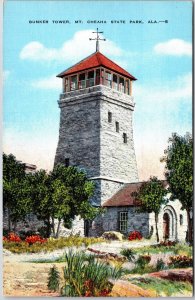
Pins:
x: 124, y: 196
x: 96, y: 59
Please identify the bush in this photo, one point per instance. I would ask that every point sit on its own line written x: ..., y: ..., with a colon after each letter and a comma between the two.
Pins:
x: 160, y: 265
x: 129, y: 254
x: 168, y: 243
x: 54, y: 279
x: 35, y: 239
x: 180, y: 261
x: 84, y: 276
x: 50, y: 245
x: 135, y: 235
x: 12, y: 237
x: 143, y: 260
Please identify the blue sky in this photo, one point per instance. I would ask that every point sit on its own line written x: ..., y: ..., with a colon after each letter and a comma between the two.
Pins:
x: 159, y: 55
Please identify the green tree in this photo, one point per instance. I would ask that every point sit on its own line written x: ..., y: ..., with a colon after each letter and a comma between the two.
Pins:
x: 42, y: 206
x: 151, y: 196
x: 179, y: 173
x: 61, y: 195
x: 15, y: 190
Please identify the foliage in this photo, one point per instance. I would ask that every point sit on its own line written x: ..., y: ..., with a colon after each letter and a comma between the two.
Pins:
x: 167, y: 243
x: 53, y: 279
x: 62, y: 194
x: 143, y: 260
x: 162, y: 287
x: 138, y: 269
x: 129, y: 254
x: 155, y: 249
x: 15, y: 189
x: 35, y: 239
x: 151, y: 196
x: 180, y: 261
x: 160, y: 265
x: 179, y: 172
x: 50, y: 244
x: 12, y: 237
x: 84, y: 276
x: 135, y: 235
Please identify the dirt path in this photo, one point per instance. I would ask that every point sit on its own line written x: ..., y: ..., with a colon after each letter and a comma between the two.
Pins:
x: 27, y: 279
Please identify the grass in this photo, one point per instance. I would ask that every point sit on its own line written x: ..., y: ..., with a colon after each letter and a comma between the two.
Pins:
x: 86, y: 276
x: 181, y: 249
x: 51, y: 244
x: 162, y: 287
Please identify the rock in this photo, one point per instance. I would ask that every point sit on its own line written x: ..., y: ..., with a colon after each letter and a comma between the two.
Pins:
x: 113, y: 235
x: 124, y: 288
x: 175, y: 274
x: 6, y: 252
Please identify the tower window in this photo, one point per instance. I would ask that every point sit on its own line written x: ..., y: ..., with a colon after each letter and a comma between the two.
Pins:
x: 125, y: 138
x: 117, y: 126
x: 67, y: 162
x: 109, y: 117
x: 181, y: 219
x: 122, y: 221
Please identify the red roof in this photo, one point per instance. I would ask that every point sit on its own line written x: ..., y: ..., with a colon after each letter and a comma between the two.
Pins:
x: 95, y: 60
x: 124, y: 196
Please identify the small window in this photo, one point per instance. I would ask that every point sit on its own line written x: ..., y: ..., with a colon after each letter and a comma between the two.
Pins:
x: 117, y: 126
x: 122, y: 221
x: 124, y: 138
x: 181, y: 219
x: 109, y: 117
x: 67, y: 162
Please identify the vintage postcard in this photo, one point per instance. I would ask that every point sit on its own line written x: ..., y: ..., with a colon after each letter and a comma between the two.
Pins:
x: 97, y: 149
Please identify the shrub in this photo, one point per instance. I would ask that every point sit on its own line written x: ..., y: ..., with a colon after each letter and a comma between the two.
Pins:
x: 160, y: 265
x: 167, y: 243
x: 35, y: 239
x: 84, y: 276
x: 12, y: 237
x: 129, y: 254
x: 50, y: 245
x: 135, y: 235
x: 54, y: 279
x: 180, y: 261
x: 143, y: 260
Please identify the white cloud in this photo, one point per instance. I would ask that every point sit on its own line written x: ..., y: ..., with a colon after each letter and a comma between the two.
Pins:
x: 38, y: 149
x: 48, y: 83
x: 160, y: 110
x: 72, y: 50
x: 169, y: 93
x: 176, y: 47
x: 6, y: 74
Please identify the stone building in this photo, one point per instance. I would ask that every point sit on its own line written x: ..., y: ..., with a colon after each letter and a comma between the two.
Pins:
x: 96, y: 134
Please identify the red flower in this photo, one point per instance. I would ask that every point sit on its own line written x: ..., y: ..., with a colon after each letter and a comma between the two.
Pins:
x: 12, y: 237
x: 35, y: 239
x: 135, y: 235
x: 5, y: 239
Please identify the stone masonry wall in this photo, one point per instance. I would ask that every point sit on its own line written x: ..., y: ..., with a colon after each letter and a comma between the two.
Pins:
x: 92, y: 143
x: 117, y: 159
x: 79, y: 134
x: 136, y: 221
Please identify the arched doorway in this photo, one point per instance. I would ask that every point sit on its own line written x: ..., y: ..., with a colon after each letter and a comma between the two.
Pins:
x: 166, y: 225
x: 169, y: 223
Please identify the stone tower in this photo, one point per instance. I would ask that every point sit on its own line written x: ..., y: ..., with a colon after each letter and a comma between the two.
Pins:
x: 96, y: 131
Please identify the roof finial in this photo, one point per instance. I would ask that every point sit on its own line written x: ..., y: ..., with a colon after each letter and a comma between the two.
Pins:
x: 97, y: 39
